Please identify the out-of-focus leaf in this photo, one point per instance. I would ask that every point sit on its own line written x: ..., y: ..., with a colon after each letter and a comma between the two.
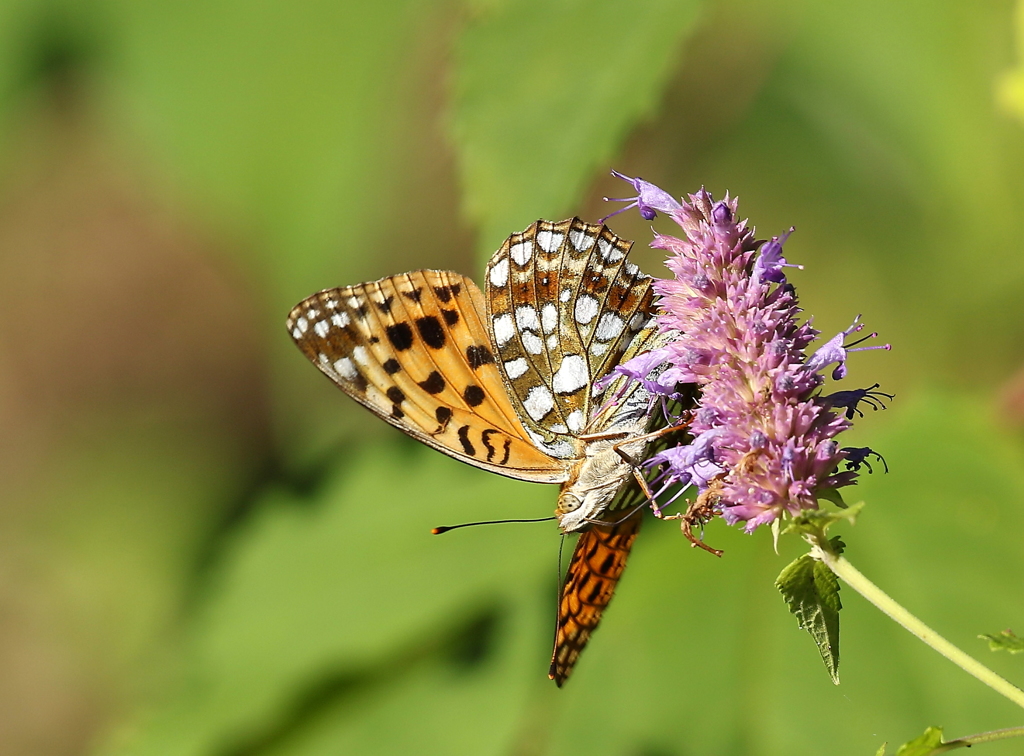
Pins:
x: 437, y: 706
x: 922, y: 745
x: 345, y: 583
x: 274, y: 118
x: 1010, y: 86
x: 812, y: 592
x: 545, y: 93
x: 1004, y: 640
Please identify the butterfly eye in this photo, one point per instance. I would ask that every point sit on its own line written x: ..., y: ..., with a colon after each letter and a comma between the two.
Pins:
x: 568, y: 502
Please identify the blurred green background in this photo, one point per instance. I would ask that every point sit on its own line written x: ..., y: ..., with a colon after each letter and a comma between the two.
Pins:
x: 207, y: 550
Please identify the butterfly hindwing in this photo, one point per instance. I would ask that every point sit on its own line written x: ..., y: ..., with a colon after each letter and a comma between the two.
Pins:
x: 414, y: 350
x: 564, y: 304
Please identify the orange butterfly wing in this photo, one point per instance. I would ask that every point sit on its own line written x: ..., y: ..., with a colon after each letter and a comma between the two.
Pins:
x: 413, y: 349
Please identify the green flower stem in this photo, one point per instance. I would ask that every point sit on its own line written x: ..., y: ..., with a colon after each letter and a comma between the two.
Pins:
x: 983, y: 737
x: 852, y: 577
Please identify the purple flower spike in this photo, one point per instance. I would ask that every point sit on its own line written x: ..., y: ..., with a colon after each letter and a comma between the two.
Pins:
x: 763, y: 435
x: 649, y: 199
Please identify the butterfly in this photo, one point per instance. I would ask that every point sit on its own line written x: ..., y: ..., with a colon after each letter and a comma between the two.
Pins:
x: 507, y: 380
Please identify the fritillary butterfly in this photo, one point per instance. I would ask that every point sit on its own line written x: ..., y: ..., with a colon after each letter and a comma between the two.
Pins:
x: 505, y: 380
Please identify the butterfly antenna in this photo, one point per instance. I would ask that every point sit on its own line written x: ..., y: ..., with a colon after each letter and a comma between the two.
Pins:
x: 446, y: 528
x: 560, y: 586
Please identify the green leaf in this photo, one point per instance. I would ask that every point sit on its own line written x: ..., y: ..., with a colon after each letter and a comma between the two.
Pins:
x: 881, y: 750
x: 812, y: 592
x: 545, y: 94
x: 923, y: 745
x: 1005, y: 640
x: 817, y: 521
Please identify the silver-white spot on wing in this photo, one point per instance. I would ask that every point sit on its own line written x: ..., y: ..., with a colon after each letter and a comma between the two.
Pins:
x: 321, y: 328
x: 539, y: 402
x: 572, y: 375
x: 609, y: 252
x: 340, y: 319
x: 526, y: 317
x: 531, y: 342
x: 549, y: 241
x: 575, y: 421
x: 608, y: 327
x: 499, y: 273
x: 504, y: 329
x: 549, y: 317
x: 581, y: 241
x: 515, y: 368
x: 586, y: 309
x: 360, y: 355
x: 522, y: 252
x: 346, y: 369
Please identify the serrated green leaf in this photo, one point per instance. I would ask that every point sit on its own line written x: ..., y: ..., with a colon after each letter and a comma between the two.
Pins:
x: 546, y: 92
x: 1006, y: 640
x: 812, y: 592
x: 923, y: 745
x: 817, y: 521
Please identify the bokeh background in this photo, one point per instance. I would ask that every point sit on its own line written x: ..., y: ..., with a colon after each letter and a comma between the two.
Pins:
x: 207, y: 550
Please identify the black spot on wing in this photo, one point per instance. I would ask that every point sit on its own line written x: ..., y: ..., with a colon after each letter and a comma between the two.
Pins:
x: 395, y: 394
x: 444, y: 293
x: 400, y: 336
x: 431, y: 331
x: 396, y: 412
x: 474, y: 395
x: 443, y: 415
x: 391, y: 366
x: 478, y: 355
x: 434, y: 384
x: 413, y: 294
x: 451, y: 317
x: 385, y: 304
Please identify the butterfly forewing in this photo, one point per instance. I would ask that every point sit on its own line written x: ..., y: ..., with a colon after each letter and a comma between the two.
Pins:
x: 564, y: 304
x: 414, y: 350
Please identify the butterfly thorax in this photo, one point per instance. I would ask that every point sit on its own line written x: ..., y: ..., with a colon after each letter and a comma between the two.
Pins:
x: 595, y: 480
